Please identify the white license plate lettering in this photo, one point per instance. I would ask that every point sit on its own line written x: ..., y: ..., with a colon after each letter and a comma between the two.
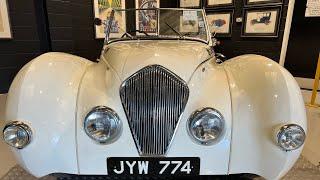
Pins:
x: 169, y: 166
x: 131, y: 165
x: 119, y: 171
x: 176, y: 164
x: 166, y: 164
x: 143, y: 167
x: 186, y: 168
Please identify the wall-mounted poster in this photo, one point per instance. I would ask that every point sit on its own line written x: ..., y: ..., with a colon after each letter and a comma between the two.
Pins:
x: 5, y: 31
x: 261, y: 22
x: 189, y: 3
x: 102, y: 10
x: 146, y: 20
x: 313, y: 8
x: 259, y: 2
x: 189, y: 22
x: 219, y: 3
x: 220, y: 23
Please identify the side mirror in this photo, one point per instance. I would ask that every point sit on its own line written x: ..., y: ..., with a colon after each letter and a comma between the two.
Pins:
x: 220, y: 58
x: 97, y: 21
x: 215, y: 42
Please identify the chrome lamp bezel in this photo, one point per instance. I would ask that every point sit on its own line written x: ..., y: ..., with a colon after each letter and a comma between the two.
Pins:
x: 197, y: 140
x: 283, y: 129
x: 24, y: 127
x: 106, y: 110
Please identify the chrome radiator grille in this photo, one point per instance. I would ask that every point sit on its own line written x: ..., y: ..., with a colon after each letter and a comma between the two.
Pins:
x: 153, y: 99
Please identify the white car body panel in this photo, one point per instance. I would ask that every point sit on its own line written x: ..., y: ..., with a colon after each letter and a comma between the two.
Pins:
x: 54, y: 92
x: 264, y: 97
x: 45, y: 103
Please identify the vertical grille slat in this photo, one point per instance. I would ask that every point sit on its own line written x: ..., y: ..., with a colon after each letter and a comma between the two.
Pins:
x: 153, y: 99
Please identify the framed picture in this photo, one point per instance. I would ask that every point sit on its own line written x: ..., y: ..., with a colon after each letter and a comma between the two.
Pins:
x: 189, y: 3
x: 219, y: 3
x: 220, y: 22
x: 260, y: 2
x: 189, y: 22
x: 5, y: 31
x: 261, y: 22
x: 146, y: 20
x: 102, y: 9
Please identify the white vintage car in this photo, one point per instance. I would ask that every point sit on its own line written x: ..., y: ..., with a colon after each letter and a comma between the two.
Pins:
x: 158, y: 103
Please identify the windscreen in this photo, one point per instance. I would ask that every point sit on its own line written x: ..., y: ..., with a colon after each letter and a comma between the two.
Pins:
x: 158, y: 23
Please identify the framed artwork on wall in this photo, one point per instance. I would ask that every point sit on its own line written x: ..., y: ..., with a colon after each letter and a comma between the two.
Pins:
x: 189, y: 22
x: 5, y: 30
x: 262, y: 2
x: 219, y: 3
x: 146, y: 20
x: 220, y: 22
x: 261, y: 22
x: 102, y: 9
x: 189, y: 3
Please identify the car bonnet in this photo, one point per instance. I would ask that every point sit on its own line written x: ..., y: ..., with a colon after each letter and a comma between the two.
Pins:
x: 179, y: 56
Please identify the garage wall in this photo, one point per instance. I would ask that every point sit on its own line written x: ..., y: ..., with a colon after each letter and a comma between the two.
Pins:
x: 28, y: 40
x: 71, y: 27
x: 304, y: 43
x: 237, y: 45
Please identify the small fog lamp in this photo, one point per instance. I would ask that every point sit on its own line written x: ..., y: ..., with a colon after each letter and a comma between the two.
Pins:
x: 290, y: 137
x: 17, y: 134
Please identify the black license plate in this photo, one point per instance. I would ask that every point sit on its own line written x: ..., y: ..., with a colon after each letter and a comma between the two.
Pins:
x: 180, y: 166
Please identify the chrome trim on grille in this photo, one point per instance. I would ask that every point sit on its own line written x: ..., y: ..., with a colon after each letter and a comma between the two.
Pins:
x: 153, y: 99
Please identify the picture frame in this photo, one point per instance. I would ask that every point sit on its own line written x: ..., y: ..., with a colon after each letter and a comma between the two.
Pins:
x: 5, y: 28
x: 150, y: 27
x: 261, y: 22
x: 189, y: 3
x: 102, y: 9
x: 261, y: 2
x: 219, y: 3
x: 221, y: 22
x: 189, y: 22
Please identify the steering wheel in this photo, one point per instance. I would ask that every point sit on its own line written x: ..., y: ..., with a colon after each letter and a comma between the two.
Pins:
x: 126, y: 33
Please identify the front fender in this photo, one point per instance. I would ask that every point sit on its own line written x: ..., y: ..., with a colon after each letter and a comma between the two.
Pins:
x: 264, y: 96
x: 43, y: 95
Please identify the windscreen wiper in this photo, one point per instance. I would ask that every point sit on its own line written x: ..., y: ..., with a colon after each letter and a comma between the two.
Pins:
x: 178, y: 33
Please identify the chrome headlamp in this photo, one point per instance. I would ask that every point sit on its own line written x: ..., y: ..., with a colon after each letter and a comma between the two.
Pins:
x: 290, y: 137
x: 17, y: 134
x: 206, y: 126
x: 103, y: 125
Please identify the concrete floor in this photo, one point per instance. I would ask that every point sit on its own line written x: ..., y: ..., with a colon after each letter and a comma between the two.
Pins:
x: 312, y: 145
x: 308, y: 166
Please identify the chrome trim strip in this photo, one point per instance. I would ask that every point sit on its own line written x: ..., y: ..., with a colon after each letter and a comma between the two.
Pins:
x: 154, y: 99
